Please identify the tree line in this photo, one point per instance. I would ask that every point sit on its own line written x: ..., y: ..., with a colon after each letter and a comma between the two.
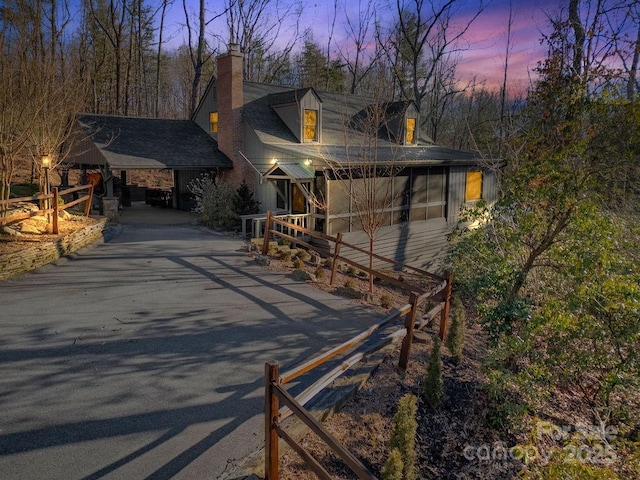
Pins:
x: 113, y: 57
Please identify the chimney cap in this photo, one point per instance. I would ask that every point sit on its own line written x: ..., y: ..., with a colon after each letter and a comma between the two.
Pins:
x: 234, y: 47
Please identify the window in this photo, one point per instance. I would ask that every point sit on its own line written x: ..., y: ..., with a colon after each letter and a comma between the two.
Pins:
x: 310, y: 125
x: 410, y: 135
x: 473, y: 189
x: 213, y: 120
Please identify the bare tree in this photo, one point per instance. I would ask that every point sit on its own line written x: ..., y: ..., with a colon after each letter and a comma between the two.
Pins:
x: 422, y: 45
x: 364, y: 175
x: 259, y: 27
x: 357, y: 54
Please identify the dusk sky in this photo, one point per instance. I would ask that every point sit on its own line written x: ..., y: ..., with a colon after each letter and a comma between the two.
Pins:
x: 483, y: 57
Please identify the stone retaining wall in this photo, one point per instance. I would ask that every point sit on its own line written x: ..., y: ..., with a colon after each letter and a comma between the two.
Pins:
x: 46, y: 252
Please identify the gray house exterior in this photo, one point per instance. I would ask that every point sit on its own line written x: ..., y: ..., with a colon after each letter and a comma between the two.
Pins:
x: 306, y: 152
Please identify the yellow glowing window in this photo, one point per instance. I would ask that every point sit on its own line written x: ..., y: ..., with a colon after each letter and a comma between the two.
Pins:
x: 310, y: 125
x: 474, y: 186
x: 213, y: 120
x: 411, y: 130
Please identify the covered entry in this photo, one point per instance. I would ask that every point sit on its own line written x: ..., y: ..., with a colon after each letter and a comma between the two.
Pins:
x: 292, y: 183
x: 123, y: 144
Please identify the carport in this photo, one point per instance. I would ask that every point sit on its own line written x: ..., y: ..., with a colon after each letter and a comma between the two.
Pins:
x: 113, y: 143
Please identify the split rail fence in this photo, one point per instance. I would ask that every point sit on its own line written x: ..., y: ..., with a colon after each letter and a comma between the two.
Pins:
x: 439, y: 290
x: 49, y: 205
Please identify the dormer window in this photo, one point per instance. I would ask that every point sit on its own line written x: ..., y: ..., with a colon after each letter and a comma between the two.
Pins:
x: 213, y: 122
x: 310, y: 125
x: 410, y: 131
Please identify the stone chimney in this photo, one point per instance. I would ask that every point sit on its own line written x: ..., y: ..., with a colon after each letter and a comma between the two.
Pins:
x: 230, y: 100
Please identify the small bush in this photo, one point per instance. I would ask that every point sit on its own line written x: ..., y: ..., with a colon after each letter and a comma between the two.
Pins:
x: 351, y: 270
x: 303, y: 255
x: 285, y: 255
x: 394, y: 466
x: 349, y: 284
x: 298, y: 263
x: 285, y: 242
x: 403, y: 437
x: 457, y: 331
x: 319, y: 272
x: 385, y: 301
x: 213, y: 202
x: 328, y: 263
x: 433, y: 385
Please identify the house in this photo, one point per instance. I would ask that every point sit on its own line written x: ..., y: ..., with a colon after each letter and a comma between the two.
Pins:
x: 309, y: 153
x: 115, y: 143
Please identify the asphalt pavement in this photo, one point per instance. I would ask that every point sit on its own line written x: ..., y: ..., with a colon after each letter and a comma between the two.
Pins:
x: 144, y: 357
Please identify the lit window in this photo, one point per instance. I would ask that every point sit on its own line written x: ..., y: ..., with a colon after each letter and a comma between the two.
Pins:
x: 213, y: 120
x: 411, y: 131
x: 473, y: 190
x: 310, y: 125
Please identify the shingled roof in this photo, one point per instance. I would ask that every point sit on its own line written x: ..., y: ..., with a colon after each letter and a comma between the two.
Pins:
x: 149, y: 143
x: 339, y: 111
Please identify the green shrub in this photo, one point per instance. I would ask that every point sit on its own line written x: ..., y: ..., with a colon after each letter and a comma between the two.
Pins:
x: 351, y: 270
x: 285, y: 255
x: 349, y: 284
x: 303, y: 255
x: 214, y: 202
x: 328, y: 263
x: 403, y: 437
x: 298, y: 263
x: 457, y: 330
x: 285, y: 242
x: 385, y: 300
x: 433, y: 385
x: 319, y: 272
x: 394, y: 466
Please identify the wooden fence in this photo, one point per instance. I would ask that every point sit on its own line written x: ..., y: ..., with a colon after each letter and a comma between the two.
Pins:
x: 275, y: 393
x: 50, y: 205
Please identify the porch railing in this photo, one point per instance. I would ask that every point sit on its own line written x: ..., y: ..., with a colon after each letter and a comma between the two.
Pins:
x: 257, y: 222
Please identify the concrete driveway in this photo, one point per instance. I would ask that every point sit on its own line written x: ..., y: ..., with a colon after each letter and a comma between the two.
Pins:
x: 144, y: 357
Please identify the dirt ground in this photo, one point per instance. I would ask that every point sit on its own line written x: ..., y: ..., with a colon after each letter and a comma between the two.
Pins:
x: 448, y: 439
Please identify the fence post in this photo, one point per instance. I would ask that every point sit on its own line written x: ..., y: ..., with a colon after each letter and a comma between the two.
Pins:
x: 271, y: 378
x: 336, y: 254
x: 87, y: 207
x: 444, y: 315
x: 409, y: 322
x: 267, y: 236
x: 55, y: 210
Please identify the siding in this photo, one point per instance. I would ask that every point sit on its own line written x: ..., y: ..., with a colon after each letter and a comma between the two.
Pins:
x: 420, y: 244
x: 457, y: 186
x: 207, y: 104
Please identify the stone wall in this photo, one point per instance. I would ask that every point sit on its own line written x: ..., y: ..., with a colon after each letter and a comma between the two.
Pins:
x: 46, y: 252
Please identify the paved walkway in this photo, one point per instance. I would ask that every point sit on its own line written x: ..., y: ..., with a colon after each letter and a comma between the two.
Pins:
x: 144, y: 357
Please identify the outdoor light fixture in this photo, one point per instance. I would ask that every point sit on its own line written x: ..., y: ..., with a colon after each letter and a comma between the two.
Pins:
x: 307, y: 162
x: 46, y: 161
x: 274, y: 161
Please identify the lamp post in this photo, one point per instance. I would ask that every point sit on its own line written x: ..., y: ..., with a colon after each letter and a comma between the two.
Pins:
x: 46, y: 165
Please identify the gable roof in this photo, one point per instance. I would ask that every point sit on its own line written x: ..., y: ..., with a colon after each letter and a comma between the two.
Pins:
x: 150, y: 143
x: 339, y: 112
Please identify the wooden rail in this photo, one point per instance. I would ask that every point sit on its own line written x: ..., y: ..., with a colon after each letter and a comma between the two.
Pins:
x: 53, y: 210
x: 274, y: 382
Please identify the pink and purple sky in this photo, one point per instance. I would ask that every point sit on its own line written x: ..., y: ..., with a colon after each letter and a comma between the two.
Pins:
x: 483, y: 55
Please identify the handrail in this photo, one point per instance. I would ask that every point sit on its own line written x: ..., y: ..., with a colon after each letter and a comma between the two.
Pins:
x: 274, y: 382
x: 54, y: 209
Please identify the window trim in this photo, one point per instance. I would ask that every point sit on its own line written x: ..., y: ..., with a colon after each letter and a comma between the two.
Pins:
x: 316, y: 130
x: 477, y: 191
x: 213, y: 125
x: 407, y: 141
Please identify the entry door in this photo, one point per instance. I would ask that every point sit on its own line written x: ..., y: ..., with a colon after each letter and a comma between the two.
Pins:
x: 298, y: 200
